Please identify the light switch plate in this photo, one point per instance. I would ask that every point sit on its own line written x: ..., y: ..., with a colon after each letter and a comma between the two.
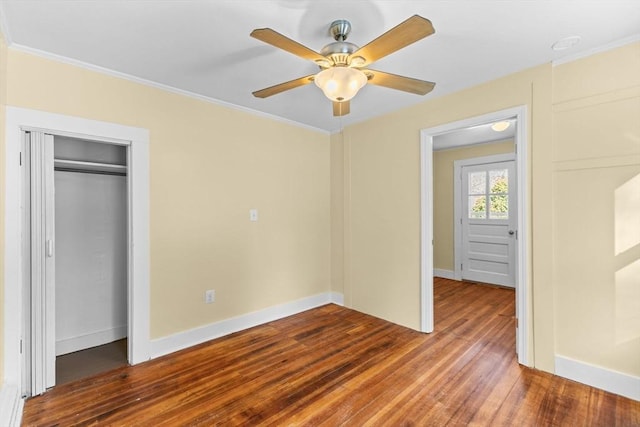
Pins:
x: 209, y: 296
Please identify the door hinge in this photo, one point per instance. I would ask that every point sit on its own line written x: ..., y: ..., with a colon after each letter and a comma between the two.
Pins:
x: 517, y: 323
x: 461, y: 267
x: 20, y: 346
x: 21, y: 158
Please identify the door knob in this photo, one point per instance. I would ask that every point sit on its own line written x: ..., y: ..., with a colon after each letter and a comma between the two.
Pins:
x: 511, y: 232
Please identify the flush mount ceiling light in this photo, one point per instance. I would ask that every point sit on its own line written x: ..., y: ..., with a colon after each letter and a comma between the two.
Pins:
x: 566, y: 43
x: 342, y: 73
x: 500, y: 126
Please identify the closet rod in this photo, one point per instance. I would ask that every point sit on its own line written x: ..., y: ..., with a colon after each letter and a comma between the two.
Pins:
x: 81, y: 163
x: 95, y: 172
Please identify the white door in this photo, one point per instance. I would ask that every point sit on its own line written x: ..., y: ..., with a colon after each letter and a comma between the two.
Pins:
x: 489, y: 223
x: 39, y: 264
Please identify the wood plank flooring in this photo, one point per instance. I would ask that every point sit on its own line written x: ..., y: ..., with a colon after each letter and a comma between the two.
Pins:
x: 332, y: 366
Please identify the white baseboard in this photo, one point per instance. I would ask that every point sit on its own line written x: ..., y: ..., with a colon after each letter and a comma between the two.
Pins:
x: 615, y: 382
x: 69, y: 345
x: 445, y: 274
x: 182, y: 340
x: 337, y: 298
x: 11, y: 405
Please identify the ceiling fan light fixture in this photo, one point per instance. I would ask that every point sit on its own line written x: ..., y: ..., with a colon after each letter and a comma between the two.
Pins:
x: 500, y: 126
x: 340, y: 83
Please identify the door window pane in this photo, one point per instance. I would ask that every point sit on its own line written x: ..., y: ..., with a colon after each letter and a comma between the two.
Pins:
x: 477, y: 182
x: 499, y: 181
x: 499, y: 189
x: 477, y: 207
x: 499, y: 206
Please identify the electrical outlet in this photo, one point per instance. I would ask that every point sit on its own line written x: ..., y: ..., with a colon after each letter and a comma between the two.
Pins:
x: 253, y: 215
x: 209, y: 296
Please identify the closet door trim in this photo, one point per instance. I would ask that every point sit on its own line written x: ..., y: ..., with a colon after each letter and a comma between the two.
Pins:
x: 137, y: 140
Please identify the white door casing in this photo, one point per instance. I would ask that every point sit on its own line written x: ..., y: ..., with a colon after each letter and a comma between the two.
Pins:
x: 486, y: 191
x: 137, y: 141
x: 524, y: 331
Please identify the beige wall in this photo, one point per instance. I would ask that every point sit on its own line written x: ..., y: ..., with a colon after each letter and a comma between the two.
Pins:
x: 443, y: 192
x: 3, y: 100
x: 208, y: 166
x: 596, y: 177
x: 337, y: 213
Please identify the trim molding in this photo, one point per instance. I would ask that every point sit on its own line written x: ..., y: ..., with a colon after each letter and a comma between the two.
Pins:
x: 612, y: 381
x: 445, y: 274
x: 182, y: 340
x: 161, y: 86
x: 599, y: 49
x: 92, y: 339
x: 337, y: 298
x: 11, y: 405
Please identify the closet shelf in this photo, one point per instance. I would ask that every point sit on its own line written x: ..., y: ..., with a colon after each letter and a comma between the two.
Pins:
x: 89, y: 166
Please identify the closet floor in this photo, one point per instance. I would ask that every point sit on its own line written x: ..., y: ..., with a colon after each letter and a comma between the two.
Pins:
x: 84, y: 363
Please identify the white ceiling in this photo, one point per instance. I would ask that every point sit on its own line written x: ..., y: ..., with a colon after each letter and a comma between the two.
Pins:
x: 480, y: 134
x: 203, y: 46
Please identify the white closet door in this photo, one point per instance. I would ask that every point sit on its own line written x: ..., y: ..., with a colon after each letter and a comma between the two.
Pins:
x: 41, y: 178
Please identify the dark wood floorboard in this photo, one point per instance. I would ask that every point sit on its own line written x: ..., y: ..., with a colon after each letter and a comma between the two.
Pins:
x: 332, y: 366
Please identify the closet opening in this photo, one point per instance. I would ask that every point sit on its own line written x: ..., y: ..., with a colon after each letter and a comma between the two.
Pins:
x: 76, y: 287
x: 91, y: 257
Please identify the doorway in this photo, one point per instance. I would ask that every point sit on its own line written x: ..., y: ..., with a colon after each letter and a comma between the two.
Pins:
x: 428, y: 136
x: 19, y: 120
x: 74, y: 258
x: 90, y: 206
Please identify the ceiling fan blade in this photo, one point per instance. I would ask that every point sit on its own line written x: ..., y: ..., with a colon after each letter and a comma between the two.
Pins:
x: 402, y: 35
x: 393, y: 81
x: 292, y: 84
x: 276, y: 39
x: 341, y: 108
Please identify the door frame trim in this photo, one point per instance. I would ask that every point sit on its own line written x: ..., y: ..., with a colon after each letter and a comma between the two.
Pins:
x: 137, y: 140
x: 457, y: 202
x: 524, y: 333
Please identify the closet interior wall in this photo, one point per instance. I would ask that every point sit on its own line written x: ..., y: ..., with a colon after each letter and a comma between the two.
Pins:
x: 91, y: 243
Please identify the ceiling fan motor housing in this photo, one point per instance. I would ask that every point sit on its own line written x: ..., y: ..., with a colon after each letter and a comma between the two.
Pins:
x: 339, y: 52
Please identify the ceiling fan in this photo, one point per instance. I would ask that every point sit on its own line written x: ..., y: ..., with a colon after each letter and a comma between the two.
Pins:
x: 342, y: 64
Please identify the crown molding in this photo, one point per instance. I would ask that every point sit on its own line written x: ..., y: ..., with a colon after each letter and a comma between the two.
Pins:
x: 606, y: 47
x: 156, y: 85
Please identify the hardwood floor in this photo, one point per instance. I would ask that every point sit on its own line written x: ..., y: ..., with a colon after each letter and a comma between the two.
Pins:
x: 332, y: 366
